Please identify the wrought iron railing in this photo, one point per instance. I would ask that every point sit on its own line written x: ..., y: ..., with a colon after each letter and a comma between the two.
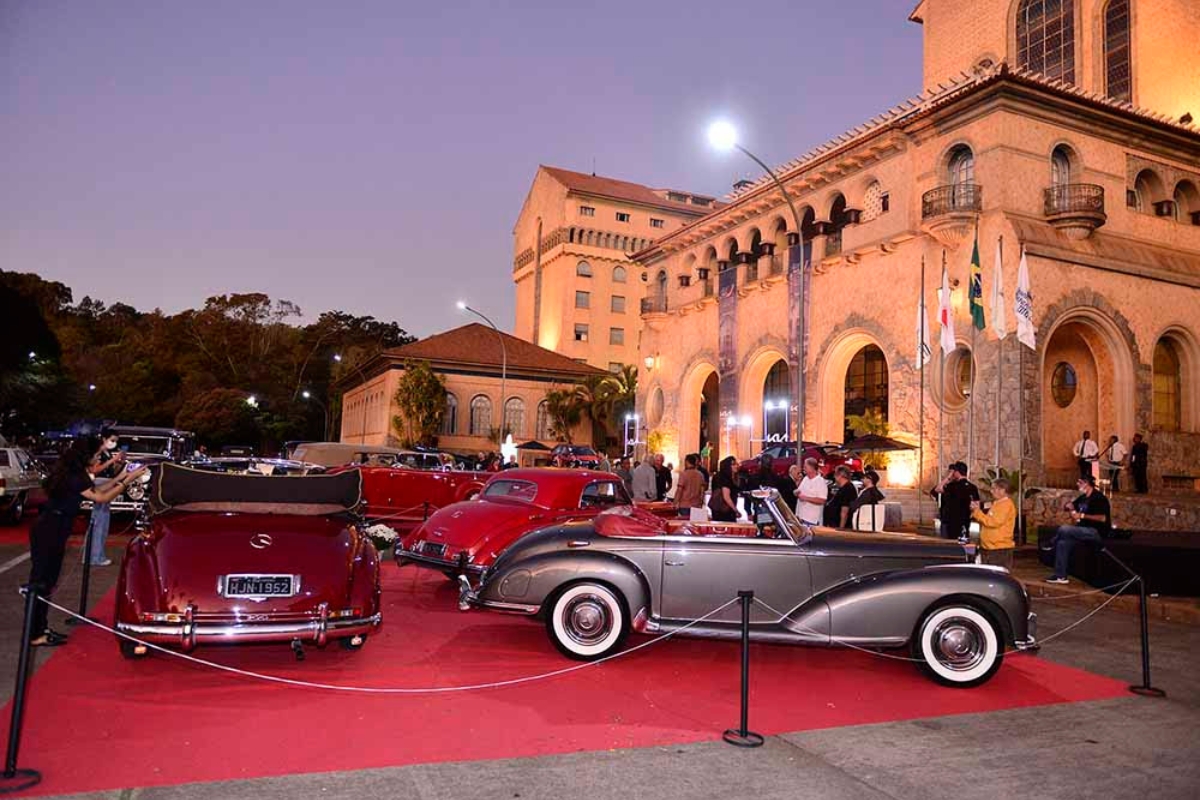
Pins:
x: 1074, y: 198
x: 951, y: 199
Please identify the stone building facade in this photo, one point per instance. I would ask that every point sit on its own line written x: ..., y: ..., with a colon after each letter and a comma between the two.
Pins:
x: 578, y: 292
x: 1064, y: 129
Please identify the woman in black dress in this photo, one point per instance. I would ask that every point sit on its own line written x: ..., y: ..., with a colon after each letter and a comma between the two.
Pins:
x: 66, y: 489
x: 723, y: 500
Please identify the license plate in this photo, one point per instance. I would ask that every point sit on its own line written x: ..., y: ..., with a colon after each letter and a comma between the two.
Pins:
x: 259, y: 585
x: 433, y: 549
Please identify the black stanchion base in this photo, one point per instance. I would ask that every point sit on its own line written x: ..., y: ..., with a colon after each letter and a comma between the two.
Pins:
x: 1147, y: 691
x: 742, y: 738
x: 19, y: 781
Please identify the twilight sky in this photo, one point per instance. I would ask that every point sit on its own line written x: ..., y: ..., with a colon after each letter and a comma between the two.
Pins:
x: 372, y: 155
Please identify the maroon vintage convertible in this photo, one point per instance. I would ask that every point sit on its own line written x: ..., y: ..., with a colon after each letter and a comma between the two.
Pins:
x: 467, y: 537
x: 249, y: 558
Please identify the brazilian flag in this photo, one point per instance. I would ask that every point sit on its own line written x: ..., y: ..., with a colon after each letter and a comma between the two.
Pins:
x: 976, y: 287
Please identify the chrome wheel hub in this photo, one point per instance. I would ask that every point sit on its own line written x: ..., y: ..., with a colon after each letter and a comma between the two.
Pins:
x: 959, y: 644
x: 587, y: 620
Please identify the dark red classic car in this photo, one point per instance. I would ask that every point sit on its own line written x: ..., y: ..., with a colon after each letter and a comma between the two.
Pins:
x: 783, y: 454
x: 467, y: 537
x: 403, y: 498
x: 249, y: 558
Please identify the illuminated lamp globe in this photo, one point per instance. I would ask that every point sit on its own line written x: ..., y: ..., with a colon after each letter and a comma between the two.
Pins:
x: 722, y: 135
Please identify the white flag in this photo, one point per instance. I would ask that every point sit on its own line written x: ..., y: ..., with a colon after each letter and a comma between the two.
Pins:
x: 924, y: 350
x: 946, y: 315
x: 999, y: 321
x: 1023, y: 306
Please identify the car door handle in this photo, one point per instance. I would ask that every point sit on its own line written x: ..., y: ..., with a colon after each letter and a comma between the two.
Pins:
x: 674, y: 563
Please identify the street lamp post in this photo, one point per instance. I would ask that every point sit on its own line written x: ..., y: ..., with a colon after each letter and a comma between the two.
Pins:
x: 307, y: 395
x: 462, y: 306
x: 723, y: 136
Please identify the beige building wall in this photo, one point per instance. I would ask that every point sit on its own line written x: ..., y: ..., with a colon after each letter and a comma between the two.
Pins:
x: 1102, y: 302
x: 616, y: 286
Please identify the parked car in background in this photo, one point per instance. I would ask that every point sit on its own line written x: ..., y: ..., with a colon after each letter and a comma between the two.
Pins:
x: 575, y: 455
x: 152, y: 447
x: 237, y: 558
x: 594, y: 581
x: 239, y: 465
x: 404, y: 498
x: 21, y: 479
x: 829, y: 457
x: 468, y: 537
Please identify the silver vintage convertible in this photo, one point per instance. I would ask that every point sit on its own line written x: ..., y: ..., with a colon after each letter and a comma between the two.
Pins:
x: 593, y: 581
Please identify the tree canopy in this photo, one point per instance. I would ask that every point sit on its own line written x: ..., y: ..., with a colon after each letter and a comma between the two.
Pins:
x: 102, y: 362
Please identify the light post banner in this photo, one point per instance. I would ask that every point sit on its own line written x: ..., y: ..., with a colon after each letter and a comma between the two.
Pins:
x: 799, y: 257
x: 727, y: 298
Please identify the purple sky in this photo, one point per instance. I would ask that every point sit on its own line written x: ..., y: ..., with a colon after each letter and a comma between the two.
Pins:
x: 373, y: 156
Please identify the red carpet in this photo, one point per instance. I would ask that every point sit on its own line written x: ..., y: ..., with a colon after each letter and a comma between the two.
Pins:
x: 97, y: 722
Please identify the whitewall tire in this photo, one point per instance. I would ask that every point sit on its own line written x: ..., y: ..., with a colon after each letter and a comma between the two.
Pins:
x: 958, y: 645
x: 587, y: 621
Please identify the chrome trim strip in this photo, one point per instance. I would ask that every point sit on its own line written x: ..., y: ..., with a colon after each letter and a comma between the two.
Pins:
x: 248, y: 630
x: 511, y: 608
x: 408, y: 555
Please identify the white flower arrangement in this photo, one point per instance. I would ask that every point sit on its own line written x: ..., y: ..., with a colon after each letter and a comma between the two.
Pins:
x: 381, y: 532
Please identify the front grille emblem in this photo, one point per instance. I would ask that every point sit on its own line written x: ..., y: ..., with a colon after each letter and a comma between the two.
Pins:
x: 260, y: 541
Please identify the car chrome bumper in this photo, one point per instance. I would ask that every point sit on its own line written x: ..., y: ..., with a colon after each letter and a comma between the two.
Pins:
x: 188, y: 634
x: 469, y: 598
x: 1030, y: 641
x: 442, y: 565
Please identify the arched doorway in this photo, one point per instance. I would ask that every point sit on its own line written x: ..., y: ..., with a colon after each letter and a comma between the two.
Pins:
x: 777, y: 402
x: 698, y: 411
x: 866, y: 389
x: 708, y: 428
x: 1087, y: 383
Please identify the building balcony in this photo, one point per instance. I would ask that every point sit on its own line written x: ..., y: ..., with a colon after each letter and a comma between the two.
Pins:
x: 654, y: 304
x: 949, y: 213
x: 1076, y: 209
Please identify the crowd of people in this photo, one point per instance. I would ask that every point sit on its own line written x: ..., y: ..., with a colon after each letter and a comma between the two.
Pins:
x: 1108, y: 463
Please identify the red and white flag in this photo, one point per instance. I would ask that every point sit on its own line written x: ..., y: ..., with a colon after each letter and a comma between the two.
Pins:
x: 946, y: 315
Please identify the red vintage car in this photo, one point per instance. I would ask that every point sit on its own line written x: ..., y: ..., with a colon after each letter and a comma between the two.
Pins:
x: 249, y: 558
x: 467, y: 537
x: 403, y: 498
x: 829, y: 457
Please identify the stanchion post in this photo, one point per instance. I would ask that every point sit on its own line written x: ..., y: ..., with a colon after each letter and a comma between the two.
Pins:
x: 1146, y: 689
x: 743, y: 736
x: 14, y: 779
x: 86, y: 581
x: 425, y: 511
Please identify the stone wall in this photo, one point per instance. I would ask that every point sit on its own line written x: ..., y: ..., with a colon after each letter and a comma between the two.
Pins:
x: 1172, y: 453
x: 1137, y: 512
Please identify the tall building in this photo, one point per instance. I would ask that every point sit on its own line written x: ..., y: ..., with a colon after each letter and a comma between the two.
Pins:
x: 1066, y: 129
x: 578, y: 293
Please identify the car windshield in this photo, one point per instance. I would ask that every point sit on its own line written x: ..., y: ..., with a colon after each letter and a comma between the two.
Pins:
x: 159, y: 445
x: 771, y: 510
x: 516, y: 490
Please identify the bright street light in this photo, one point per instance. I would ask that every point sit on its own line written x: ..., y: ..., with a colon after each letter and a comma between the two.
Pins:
x: 462, y: 305
x: 252, y: 401
x: 306, y: 394
x: 722, y: 135
x: 32, y: 355
x: 91, y: 387
x: 337, y: 357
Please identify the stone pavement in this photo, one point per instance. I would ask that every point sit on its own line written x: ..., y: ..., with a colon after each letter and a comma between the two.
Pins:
x: 1115, y: 748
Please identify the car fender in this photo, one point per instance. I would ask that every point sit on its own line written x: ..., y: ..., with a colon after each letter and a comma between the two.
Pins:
x: 138, y: 584
x: 533, y: 581
x: 887, y: 606
x: 468, y: 489
x: 364, y: 578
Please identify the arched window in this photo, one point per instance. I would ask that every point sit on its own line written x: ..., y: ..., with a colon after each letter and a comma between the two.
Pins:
x: 618, y: 274
x: 957, y: 378
x: 1187, y: 202
x: 1118, y: 56
x: 583, y: 269
x: 514, y: 416
x: 777, y: 400
x: 960, y: 169
x: 450, y: 416
x: 866, y: 386
x: 1147, y: 190
x: 837, y: 221
x: 1046, y: 38
x: 481, y: 416
x: 1167, y: 382
x: 1060, y: 167
x: 542, y: 433
x: 660, y: 300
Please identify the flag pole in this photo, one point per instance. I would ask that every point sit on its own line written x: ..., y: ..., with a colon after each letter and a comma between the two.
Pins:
x: 999, y: 368
x: 1021, y: 426
x: 971, y: 399
x: 942, y: 385
x: 921, y: 359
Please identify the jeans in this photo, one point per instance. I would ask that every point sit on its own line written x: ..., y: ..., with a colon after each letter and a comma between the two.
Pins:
x: 1065, y: 539
x: 99, y: 530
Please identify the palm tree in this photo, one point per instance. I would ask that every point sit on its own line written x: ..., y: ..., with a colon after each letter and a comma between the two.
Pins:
x: 595, y: 400
x: 622, y: 391
x: 565, y: 409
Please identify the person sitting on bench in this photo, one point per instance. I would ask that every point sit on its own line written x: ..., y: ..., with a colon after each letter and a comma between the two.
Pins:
x: 1091, y: 518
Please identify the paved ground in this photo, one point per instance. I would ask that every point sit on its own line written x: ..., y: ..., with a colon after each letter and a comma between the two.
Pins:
x: 1130, y: 747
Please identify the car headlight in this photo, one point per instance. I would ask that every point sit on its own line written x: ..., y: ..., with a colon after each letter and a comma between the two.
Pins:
x: 135, y: 491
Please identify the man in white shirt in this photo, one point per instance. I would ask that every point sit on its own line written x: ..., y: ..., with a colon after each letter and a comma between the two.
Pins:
x: 1086, y: 452
x: 812, y: 493
x: 1114, y: 461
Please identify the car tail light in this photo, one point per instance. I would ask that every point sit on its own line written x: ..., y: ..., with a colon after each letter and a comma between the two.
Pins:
x: 161, y: 617
x: 345, y: 612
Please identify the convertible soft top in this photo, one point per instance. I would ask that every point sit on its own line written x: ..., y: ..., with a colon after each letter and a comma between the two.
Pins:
x: 182, y: 489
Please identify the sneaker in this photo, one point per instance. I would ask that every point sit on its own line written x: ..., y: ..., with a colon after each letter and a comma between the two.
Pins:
x: 1053, y: 579
x: 104, y: 562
